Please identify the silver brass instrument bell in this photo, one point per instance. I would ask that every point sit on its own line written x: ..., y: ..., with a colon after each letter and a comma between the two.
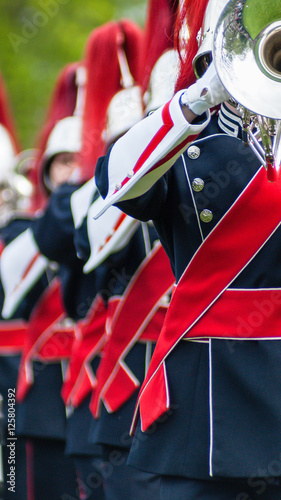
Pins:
x: 247, y: 56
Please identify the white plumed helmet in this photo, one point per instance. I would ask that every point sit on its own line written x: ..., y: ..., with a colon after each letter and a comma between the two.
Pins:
x: 125, y: 108
x: 162, y: 80
x: 65, y: 137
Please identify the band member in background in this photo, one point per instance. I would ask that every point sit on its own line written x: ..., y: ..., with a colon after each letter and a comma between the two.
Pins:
x: 12, y: 332
x: 41, y: 415
x: 159, y: 31
x: 208, y: 411
x: 92, y: 307
x: 77, y: 290
x: 82, y: 295
x: 133, y: 322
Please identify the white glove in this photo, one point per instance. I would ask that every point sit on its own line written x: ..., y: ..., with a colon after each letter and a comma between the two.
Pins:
x: 205, y: 93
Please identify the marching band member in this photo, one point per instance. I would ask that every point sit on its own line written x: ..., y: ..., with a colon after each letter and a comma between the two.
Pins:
x: 82, y: 301
x: 92, y: 306
x: 118, y: 242
x: 158, y: 39
x: 77, y: 289
x: 41, y: 416
x: 12, y: 332
x: 133, y: 322
x: 209, y: 407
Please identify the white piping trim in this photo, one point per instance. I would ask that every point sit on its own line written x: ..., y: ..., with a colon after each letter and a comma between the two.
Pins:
x: 146, y: 238
x: 227, y: 130
x: 229, y: 122
x: 90, y: 374
x: 148, y: 352
x: 211, y: 411
x: 64, y: 365
x: 200, y: 339
x: 166, y: 386
x: 129, y: 372
x: 254, y: 289
x: 28, y: 368
x: 107, y: 407
x: 225, y: 112
x: 229, y: 114
x: 202, y: 139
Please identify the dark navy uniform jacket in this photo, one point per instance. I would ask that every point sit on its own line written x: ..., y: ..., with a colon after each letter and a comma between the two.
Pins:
x: 54, y: 235
x: 112, y: 429
x: 225, y: 395
x: 9, y: 364
x: 37, y: 415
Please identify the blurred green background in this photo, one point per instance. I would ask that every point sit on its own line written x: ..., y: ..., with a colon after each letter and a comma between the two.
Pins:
x: 38, y: 38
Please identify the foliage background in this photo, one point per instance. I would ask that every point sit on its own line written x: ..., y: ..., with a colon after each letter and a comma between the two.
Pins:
x: 38, y: 38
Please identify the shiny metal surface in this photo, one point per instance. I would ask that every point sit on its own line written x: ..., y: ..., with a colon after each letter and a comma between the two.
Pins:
x: 250, y: 66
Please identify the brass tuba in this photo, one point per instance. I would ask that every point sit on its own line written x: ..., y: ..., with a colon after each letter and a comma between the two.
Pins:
x: 247, y: 56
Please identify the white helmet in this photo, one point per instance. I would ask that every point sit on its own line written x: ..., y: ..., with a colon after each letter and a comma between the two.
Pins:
x: 7, y: 155
x: 126, y: 107
x: 124, y: 111
x: 66, y: 137
x: 206, y: 36
x: 162, y: 80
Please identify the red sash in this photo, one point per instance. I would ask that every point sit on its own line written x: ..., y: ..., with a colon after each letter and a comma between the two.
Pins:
x: 133, y: 314
x: 240, y: 315
x: 45, y: 340
x: 233, y: 243
x: 90, y: 339
x: 12, y: 335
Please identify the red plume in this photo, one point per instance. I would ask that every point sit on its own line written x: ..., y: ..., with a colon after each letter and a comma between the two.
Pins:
x: 191, y: 13
x: 158, y: 34
x: 103, y: 81
x: 6, y: 116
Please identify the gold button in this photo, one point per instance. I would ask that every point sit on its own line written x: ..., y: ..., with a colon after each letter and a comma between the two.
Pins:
x: 193, y: 152
x: 198, y: 184
x: 206, y: 215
